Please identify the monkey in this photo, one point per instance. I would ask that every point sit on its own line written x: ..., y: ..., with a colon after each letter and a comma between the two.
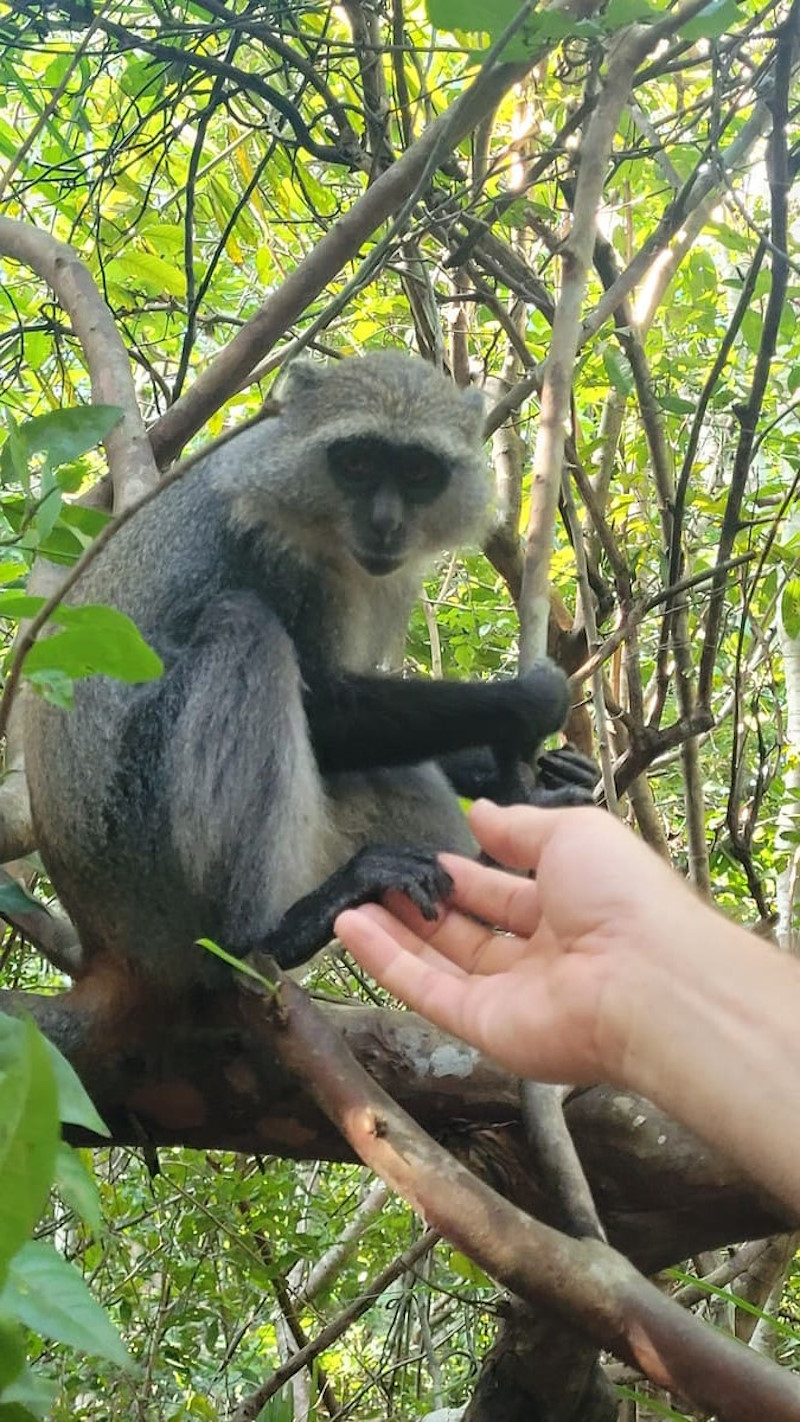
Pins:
x: 276, y: 773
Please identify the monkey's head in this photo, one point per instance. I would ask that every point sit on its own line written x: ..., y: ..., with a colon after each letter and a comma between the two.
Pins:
x: 383, y: 458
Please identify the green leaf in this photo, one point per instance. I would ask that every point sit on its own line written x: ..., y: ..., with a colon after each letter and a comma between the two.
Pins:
x: 19, y: 604
x: 465, y: 17
x: 95, y: 641
x: 466, y: 1268
x: 470, y: 14
x: 12, y: 1352
x: 238, y: 964
x: 13, y: 572
x: 88, y: 522
x: 28, y: 1132
x: 32, y: 1395
x: 14, y: 455
x: 618, y: 370
x: 46, y: 516
x: 77, y: 1187
x: 619, y: 13
x: 55, y: 686
x: 676, y: 405
x: 751, y: 327
x: 75, y: 1106
x: 790, y: 608
x: 143, y: 271
x: 62, y: 435
x: 716, y: 19
x: 49, y: 1295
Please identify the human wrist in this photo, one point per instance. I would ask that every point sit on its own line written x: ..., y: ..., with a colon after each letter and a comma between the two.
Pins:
x: 715, y: 1045
x: 664, y: 986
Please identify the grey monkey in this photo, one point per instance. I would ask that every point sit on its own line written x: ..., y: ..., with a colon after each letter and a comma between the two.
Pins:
x: 273, y: 774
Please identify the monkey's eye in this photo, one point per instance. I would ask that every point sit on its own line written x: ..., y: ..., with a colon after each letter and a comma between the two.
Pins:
x: 422, y: 471
x: 357, y: 469
x: 424, y: 476
x: 353, y: 463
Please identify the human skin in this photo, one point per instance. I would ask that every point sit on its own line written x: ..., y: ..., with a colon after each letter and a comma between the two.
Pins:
x: 605, y: 967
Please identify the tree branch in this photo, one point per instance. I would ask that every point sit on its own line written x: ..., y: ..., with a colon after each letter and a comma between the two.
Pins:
x: 585, y: 1282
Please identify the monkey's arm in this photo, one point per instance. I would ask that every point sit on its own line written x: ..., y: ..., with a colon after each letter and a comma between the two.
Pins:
x: 560, y: 777
x: 362, y: 722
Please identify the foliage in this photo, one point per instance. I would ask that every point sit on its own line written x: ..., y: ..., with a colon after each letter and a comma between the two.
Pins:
x: 194, y: 156
x: 39, y: 1289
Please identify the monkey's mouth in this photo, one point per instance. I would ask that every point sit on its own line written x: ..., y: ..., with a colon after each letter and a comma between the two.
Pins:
x: 379, y: 564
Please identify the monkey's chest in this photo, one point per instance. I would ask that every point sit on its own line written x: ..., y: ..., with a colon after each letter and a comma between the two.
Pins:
x: 368, y: 632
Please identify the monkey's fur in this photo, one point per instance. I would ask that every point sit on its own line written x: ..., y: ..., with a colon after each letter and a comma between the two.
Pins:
x: 274, y: 579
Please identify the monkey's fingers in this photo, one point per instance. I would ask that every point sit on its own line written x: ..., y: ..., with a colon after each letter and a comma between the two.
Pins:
x: 564, y: 777
x: 372, y: 873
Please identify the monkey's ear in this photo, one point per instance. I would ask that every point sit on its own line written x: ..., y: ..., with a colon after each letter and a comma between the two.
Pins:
x: 474, y: 404
x: 301, y: 379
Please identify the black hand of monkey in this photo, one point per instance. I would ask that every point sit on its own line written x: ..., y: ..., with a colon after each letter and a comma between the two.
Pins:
x: 307, y: 926
x: 535, y: 705
x: 562, y: 777
x: 361, y: 722
x: 565, y: 777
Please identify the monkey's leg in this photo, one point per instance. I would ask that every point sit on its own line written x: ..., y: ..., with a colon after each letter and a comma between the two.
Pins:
x: 250, y: 818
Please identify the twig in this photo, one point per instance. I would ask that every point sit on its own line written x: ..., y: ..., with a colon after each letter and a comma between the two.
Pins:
x: 638, y: 613
x: 250, y: 1407
x: 779, y: 180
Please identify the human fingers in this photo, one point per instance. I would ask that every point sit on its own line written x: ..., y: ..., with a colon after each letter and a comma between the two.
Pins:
x: 508, y: 1015
x: 494, y: 895
x: 437, y: 992
x: 453, y: 943
x: 514, y: 834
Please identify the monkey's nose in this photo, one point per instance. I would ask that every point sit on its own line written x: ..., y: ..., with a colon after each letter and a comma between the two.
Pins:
x: 387, y: 515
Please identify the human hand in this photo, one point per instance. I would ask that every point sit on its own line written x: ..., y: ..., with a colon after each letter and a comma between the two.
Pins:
x: 555, y: 993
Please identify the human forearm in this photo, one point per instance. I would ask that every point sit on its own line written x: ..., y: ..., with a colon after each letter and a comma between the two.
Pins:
x: 715, y: 1041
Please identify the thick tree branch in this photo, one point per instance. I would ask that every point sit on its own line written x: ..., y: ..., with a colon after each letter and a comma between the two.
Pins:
x: 130, y: 459
x: 585, y: 1282
x: 129, y: 454
x: 203, y: 1073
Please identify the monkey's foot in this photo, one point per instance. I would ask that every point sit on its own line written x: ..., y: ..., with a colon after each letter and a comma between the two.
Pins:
x: 377, y: 870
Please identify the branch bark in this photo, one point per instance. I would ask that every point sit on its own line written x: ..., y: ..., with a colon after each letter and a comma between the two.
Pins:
x: 584, y: 1282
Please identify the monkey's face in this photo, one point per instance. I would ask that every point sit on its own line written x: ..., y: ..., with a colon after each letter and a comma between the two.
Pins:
x: 376, y: 460
x: 387, y: 491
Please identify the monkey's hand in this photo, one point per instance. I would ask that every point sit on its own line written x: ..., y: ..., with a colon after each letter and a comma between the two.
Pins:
x: 376, y: 870
x: 564, y: 777
x: 534, y: 706
x: 561, y: 777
